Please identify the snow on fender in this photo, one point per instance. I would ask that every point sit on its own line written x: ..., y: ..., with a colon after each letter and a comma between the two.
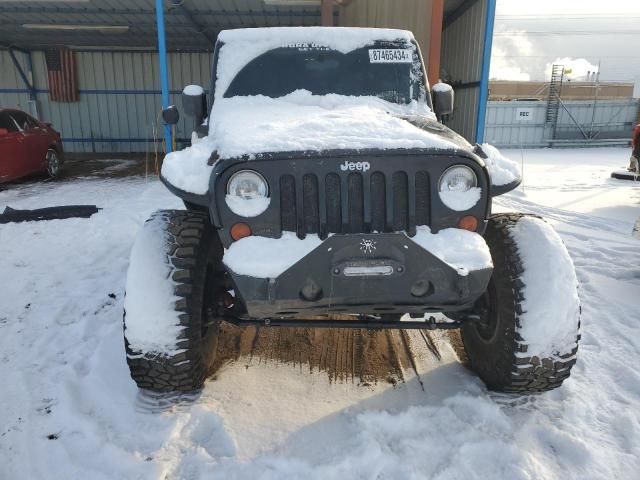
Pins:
x: 501, y: 169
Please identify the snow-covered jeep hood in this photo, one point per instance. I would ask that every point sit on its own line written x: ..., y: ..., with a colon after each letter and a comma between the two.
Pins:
x: 300, y: 121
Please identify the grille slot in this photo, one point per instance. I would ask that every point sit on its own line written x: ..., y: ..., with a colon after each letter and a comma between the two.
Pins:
x: 354, y: 203
x: 288, y: 203
x: 400, y: 202
x: 310, y: 204
x: 378, y: 212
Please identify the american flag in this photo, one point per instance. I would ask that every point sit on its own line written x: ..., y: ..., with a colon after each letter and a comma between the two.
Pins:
x: 62, y: 75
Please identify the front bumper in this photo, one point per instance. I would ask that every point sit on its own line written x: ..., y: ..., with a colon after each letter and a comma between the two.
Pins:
x: 366, y: 274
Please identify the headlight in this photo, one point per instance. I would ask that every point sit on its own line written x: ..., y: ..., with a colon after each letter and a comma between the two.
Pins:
x: 247, y: 184
x: 247, y: 193
x: 457, y: 179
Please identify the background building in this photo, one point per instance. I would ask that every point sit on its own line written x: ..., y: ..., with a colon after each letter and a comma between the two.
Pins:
x: 560, y: 113
x: 115, y: 54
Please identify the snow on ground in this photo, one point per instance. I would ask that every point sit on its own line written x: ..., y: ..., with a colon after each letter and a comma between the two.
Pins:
x: 70, y: 410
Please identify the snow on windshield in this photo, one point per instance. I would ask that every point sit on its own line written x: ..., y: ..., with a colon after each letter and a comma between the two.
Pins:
x: 299, y: 121
x: 243, y: 45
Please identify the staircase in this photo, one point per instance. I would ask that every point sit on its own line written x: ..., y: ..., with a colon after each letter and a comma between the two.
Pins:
x: 553, y: 100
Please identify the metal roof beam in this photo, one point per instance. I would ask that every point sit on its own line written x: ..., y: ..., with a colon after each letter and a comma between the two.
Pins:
x: 75, y: 11
x: 186, y: 13
x: 125, y: 11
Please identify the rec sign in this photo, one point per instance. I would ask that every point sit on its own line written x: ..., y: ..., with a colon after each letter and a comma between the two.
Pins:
x: 524, y: 114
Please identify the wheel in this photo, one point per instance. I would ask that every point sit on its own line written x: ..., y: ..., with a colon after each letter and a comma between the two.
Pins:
x: 527, y: 338
x: 174, y: 288
x: 53, y: 163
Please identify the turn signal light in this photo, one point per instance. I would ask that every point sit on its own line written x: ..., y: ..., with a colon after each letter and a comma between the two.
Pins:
x: 468, y: 222
x: 240, y: 230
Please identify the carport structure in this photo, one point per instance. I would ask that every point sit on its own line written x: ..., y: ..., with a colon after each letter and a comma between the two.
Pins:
x: 124, y: 74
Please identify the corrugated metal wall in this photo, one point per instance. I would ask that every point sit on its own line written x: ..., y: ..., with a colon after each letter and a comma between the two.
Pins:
x: 613, y: 120
x: 119, y: 97
x: 461, y: 64
x: 413, y: 15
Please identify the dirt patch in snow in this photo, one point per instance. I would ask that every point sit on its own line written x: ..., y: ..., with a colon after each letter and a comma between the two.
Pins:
x: 117, y: 166
x: 359, y: 356
x: 455, y: 340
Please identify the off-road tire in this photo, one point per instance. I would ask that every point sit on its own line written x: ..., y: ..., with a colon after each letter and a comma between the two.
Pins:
x: 194, y: 253
x: 495, y: 359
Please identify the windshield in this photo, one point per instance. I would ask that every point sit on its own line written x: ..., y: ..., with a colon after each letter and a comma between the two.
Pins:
x: 391, y: 71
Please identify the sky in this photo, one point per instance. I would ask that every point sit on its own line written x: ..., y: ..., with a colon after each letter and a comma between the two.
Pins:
x: 530, y: 36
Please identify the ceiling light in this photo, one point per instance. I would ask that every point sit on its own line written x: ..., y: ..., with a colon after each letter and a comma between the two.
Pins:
x: 92, y: 28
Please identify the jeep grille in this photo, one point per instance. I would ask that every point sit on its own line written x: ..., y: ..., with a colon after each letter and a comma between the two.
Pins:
x: 354, y: 202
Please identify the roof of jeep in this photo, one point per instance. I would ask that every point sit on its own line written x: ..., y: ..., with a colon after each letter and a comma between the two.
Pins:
x: 338, y: 38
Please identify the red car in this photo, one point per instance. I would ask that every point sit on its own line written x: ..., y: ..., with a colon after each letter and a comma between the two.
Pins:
x: 27, y: 146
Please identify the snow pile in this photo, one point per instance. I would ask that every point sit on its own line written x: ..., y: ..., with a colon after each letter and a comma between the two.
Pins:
x: 193, y: 90
x: 461, y: 249
x: 501, y: 169
x: 247, y: 207
x: 152, y: 322
x: 299, y: 121
x: 551, y: 305
x: 263, y: 257
x: 442, y: 87
x: 461, y: 201
x: 244, y: 44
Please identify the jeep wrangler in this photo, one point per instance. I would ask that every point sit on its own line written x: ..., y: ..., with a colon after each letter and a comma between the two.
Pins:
x: 322, y: 189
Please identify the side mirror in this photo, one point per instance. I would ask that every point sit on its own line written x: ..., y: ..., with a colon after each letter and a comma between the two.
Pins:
x: 194, y: 102
x: 3, y: 132
x: 442, y: 99
x: 170, y: 115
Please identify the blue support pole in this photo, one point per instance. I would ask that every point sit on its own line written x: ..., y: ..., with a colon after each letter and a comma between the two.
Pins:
x: 164, y: 73
x: 486, y: 63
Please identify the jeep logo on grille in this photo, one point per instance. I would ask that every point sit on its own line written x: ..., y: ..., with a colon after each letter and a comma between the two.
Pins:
x: 360, y: 166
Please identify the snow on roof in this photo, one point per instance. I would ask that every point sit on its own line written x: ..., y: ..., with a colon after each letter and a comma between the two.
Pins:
x: 244, y: 44
x: 299, y: 121
x: 343, y: 39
